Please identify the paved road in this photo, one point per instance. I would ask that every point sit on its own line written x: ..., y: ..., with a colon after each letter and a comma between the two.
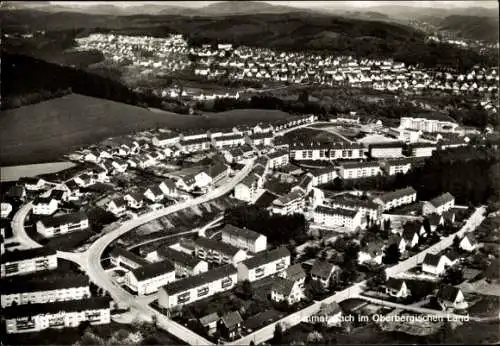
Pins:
x: 18, y: 229
x: 329, y: 130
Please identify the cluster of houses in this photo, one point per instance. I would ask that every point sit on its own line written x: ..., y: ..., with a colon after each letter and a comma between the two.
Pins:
x: 33, y: 299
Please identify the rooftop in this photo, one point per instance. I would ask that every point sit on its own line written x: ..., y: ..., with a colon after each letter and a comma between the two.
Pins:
x: 64, y: 219
x: 94, y: 303
x: 240, y: 232
x: 152, y: 270
x: 335, y: 211
x: 442, y: 199
x: 266, y: 257
x: 21, y: 255
x: 216, y: 245
x: 390, y: 196
x: 20, y: 284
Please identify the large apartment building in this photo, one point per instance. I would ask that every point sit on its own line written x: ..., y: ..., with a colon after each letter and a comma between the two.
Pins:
x: 244, y: 238
x: 438, y: 205
x: 356, y: 170
x: 396, y: 198
x: 430, y: 122
x: 215, y: 251
x: 338, y: 217
x: 184, y: 264
x: 291, y: 203
x: 22, y: 262
x: 326, y: 151
x: 61, y: 224
x: 387, y: 149
x: 264, y: 264
x: 149, y: 278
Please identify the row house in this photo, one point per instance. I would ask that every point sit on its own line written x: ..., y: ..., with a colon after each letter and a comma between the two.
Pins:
x: 278, y: 159
x: 388, y: 149
x: 429, y: 123
x: 21, y: 262
x: 230, y: 140
x: 338, y: 217
x: 19, y: 291
x: 214, y: 251
x: 291, y: 203
x: 396, y: 198
x: 395, y: 166
x: 439, y: 205
x: 260, y: 139
x: 125, y: 259
x: 44, y: 206
x: 61, y: 224
x: 264, y: 264
x: 197, y: 287
x: 244, y: 239
x: 148, y: 278
x: 356, y: 170
x: 194, y: 145
x: 326, y: 151
x: 165, y: 139
x: 367, y: 208
x: 184, y: 264
x: 117, y: 206
x: 63, y: 314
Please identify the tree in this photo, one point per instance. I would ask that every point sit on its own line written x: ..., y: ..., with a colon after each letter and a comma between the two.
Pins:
x: 453, y: 276
x: 278, y: 335
x: 314, y: 289
x: 378, y: 279
x: 247, y: 289
x: 456, y: 243
x: 427, y: 227
x: 391, y: 254
x: 387, y: 225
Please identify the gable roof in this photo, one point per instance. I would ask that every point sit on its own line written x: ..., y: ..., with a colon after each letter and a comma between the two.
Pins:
x: 323, y: 269
x: 234, y: 231
x: 118, y: 251
x: 390, y: 196
x: 64, y: 219
x: 178, y: 257
x: 216, y: 245
x: 432, y: 259
x: 448, y: 293
x: 395, y: 284
x: 265, y: 199
x: 216, y: 170
x: 282, y: 286
x: 21, y: 255
x: 442, y: 199
x: 19, y: 284
x: 336, y: 211
x: 265, y: 257
x: 210, y: 318
x: 295, y: 272
x: 330, y: 309
x: 152, y: 270
x: 231, y: 319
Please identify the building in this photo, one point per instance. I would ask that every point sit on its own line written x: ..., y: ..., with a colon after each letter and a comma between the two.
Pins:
x: 429, y: 122
x: 410, y: 234
x: 168, y: 188
x: 214, y: 251
x: 6, y: 209
x: 185, y: 265
x: 397, y: 198
x: 125, y: 259
x: 197, y: 287
x: 194, y: 145
x: 367, y: 208
x: 450, y: 297
x: 286, y: 290
x: 44, y: 206
x: 468, y: 243
x: 20, y: 262
x: 165, y: 139
x: 21, y: 291
x: 372, y: 252
x: 228, y: 140
x: 326, y: 151
x: 422, y: 149
x: 117, y: 207
x: 244, y: 238
x: 264, y: 264
x: 356, y: 170
x: 331, y: 314
x: 217, y: 172
x: 289, y: 204
x: 260, y: 139
x: 247, y: 189
x: 62, y: 314
x: 436, y: 264
x: 395, y: 166
x: 397, y: 288
x: 337, y: 217
x: 387, y: 149
x: 209, y: 322
x: 278, y: 159
x: 134, y: 200
x: 229, y: 325
x: 66, y: 223
x: 439, y: 205
x: 324, y: 272
x: 32, y: 183
x: 154, y: 193
x: 294, y: 273
x: 148, y: 278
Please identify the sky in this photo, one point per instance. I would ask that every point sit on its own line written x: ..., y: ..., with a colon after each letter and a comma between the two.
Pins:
x: 300, y: 4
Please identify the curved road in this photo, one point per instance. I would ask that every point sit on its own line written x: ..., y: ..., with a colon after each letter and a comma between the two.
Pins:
x: 18, y: 229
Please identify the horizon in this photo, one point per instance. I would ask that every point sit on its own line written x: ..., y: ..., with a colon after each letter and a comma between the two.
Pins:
x: 487, y: 4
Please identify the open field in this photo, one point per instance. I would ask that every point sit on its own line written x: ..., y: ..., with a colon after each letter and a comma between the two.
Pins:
x: 45, y: 131
x: 13, y: 173
x: 306, y: 135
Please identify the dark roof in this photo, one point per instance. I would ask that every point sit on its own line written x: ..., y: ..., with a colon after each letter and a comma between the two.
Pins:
x: 472, y: 239
x: 16, y: 191
x: 266, y: 199
x: 266, y: 257
x: 385, y: 145
x: 261, y: 160
x: 42, y: 200
x: 19, y: 284
x: 241, y: 232
x: 20, y: 255
x: 194, y: 141
x: 231, y: 319
x: 207, y: 319
x: 289, y: 197
x: 324, y: 170
x: 433, y: 116
x: 304, y: 183
x: 423, y: 145
x: 351, y: 165
x: 261, y: 135
x: 387, y: 197
x: 277, y: 154
x: 120, y: 202
x: 152, y: 270
x: 434, y: 219
x: 155, y: 189
x: 137, y: 196
x: 216, y: 245
x: 335, y: 211
x: 119, y: 251
x: 216, y: 170
x: 318, y: 145
x: 352, y: 203
x: 55, y: 221
x: 179, y: 257
x: 295, y: 272
x: 448, y: 293
x: 282, y: 286
x: 56, y: 307
x: 166, y: 135
x: 395, y: 284
x: 401, y: 161
x: 322, y: 269
x: 432, y: 259
x: 228, y: 137
x: 200, y: 279
x: 409, y: 233
x: 442, y: 199
x: 29, y: 180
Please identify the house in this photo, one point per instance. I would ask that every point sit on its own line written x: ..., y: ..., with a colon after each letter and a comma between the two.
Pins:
x: 264, y: 264
x: 125, y: 259
x: 396, y: 198
x: 134, y: 200
x: 337, y: 217
x: 117, y: 206
x: 286, y: 290
x: 324, y: 272
x: 260, y: 139
x: 44, y: 206
x: 439, y: 205
x: 230, y: 325
x: 6, y: 209
x: 217, y: 172
x: 233, y: 155
x: 422, y: 149
x: 32, y: 183
x: 436, y: 264
x: 324, y: 175
x: 289, y: 204
x: 277, y: 159
x: 194, y: 145
x: 84, y: 180
x: 169, y: 188
x: 154, y: 193
x: 246, y: 190
x: 197, y: 287
x: 165, y: 139
x: 410, y: 235
x: 62, y: 314
x: 367, y: 208
x: 387, y: 149
x: 21, y: 262
x: 399, y: 241
x: 468, y: 243
x: 395, y: 166
x: 305, y: 185
x: 214, y: 251
x: 451, y: 297
x: 186, y: 183
x: 356, y: 170
x: 294, y: 273
x: 185, y: 265
x: 17, y: 192
x: 66, y: 223
x: 148, y: 278
x: 209, y: 322
x: 397, y: 288
x: 372, y: 252
x: 21, y: 291
x: 244, y: 238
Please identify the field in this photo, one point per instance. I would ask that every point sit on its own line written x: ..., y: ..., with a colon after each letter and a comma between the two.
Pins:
x: 306, y: 135
x: 13, y: 173
x: 45, y: 131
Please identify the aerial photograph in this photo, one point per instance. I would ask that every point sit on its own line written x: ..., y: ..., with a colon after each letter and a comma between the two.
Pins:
x: 249, y: 173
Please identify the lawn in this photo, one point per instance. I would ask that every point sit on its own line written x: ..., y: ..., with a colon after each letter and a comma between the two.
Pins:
x: 44, y: 132
x: 487, y: 306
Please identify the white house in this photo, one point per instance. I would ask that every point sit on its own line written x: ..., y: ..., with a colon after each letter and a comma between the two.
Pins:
x: 468, y: 243
x: 397, y: 288
x: 324, y: 272
x: 215, y: 251
x: 154, y: 194
x: 439, y: 205
x: 286, y: 290
x: 450, y: 297
x: 396, y: 198
x: 291, y: 203
x: 168, y: 188
x: 387, y: 149
x: 65, y: 223
x: 134, y: 200
x: 337, y: 217
x: 117, y: 206
x: 264, y: 264
x: 244, y: 238
x: 429, y: 122
x: 436, y: 264
x: 395, y: 166
x: 277, y: 159
x: 356, y: 170
x: 165, y: 139
x: 246, y: 190
x: 149, y: 278
x: 125, y: 259
x: 22, y: 262
x: 84, y: 180
x: 422, y: 149
x: 185, y: 265
x: 44, y: 206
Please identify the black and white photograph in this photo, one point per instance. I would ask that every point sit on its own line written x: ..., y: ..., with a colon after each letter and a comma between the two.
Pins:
x: 249, y: 173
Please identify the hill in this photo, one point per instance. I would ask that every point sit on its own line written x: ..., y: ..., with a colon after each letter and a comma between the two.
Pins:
x: 45, y: 131
x: 472, y: 27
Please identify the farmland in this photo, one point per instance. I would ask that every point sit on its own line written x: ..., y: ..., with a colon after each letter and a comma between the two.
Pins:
x: 13, y: 173
x: 45, y: 131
